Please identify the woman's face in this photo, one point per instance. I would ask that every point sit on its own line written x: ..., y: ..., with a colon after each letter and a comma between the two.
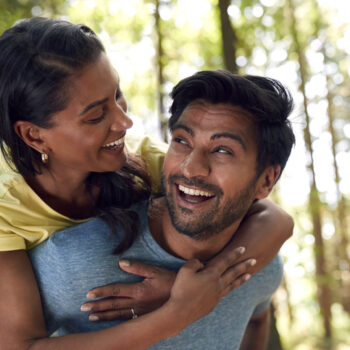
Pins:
x: 89, y: 134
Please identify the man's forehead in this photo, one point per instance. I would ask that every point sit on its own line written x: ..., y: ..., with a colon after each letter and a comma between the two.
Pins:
x: 200, y: 111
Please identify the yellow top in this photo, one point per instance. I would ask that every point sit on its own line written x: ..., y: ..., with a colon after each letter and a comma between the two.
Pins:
x: 26, y: 220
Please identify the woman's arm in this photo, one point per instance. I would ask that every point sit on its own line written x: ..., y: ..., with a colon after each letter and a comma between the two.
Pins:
x: 195, y: 292
x: 263, y: 231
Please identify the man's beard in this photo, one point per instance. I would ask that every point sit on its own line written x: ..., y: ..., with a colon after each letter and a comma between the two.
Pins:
x: 208, y: 222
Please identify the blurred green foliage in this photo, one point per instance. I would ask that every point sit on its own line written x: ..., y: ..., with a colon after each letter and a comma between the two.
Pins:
x: 191, y: 41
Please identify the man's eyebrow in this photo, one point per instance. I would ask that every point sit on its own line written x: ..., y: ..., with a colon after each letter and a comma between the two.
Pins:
x: 92, y: 105
x: 184, y: 127
x: 230, y: 136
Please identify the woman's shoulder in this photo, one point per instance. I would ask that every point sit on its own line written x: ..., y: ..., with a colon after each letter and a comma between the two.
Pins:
x: 9, y: 178
x: 11, y: 184
x: 153, y: 152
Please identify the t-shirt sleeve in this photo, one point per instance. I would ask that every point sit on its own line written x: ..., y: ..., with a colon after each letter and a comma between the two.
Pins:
x: 260, y: 308
x: 153, y: 152
x: 11, y: 241
x: 25, y: 219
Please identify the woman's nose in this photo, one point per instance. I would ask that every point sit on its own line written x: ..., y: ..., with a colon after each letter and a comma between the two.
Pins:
x: 121, y: 120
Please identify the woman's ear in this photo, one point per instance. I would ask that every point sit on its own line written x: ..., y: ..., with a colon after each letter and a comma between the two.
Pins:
x: 30, y: 134
x: 267, y: 180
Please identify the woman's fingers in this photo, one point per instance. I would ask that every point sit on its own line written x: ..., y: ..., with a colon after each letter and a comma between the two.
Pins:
x: 236, y: 271
x: 236, y: 275
x: 191, y: 267
x: 196, y: 290
x: 144, y: 296
x: 226, y: 259
x: 116, y: 290
x: 141, y: 269
x: 236, y: 283
x: 108, y: 304
x: 117, y: 314
x: 155, y: 277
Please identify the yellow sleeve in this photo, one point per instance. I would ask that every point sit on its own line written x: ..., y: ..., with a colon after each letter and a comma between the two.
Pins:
x: 25, y: 219
x: 153, y: 153
x: 10, y: 241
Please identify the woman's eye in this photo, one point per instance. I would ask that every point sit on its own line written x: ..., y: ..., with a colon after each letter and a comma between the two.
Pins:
x: 98, y: 119
x: 118, y: 95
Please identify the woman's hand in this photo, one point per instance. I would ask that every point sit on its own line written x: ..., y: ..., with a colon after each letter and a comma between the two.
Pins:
x: 154, y: 290
x: 143, y: 297
x: 198, y: 288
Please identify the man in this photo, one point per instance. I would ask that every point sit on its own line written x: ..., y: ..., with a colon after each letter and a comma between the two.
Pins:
x: 230, y: 142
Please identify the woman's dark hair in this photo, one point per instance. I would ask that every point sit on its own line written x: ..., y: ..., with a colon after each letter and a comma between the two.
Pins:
x: 38, y: 58
x: 266, y: 99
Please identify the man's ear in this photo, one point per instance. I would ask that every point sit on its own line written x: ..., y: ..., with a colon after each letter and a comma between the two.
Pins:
x: 267, y: 180
x: 30, y: 134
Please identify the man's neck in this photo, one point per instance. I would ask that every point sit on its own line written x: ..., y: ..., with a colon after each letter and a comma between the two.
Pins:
x: 181, y: 245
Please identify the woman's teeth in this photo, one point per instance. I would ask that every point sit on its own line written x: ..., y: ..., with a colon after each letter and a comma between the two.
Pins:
x: 193, y: 192
x: 114, y: 144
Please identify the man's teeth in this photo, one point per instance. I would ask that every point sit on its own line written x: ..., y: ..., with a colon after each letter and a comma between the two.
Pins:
x: 115, y: 143
x: 193, y: 192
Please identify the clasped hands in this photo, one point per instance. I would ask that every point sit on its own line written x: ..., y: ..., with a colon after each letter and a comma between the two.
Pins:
x: 222, y: 274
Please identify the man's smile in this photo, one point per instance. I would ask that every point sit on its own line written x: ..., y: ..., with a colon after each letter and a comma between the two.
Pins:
x: 194, y: 192
x: 192, y: 195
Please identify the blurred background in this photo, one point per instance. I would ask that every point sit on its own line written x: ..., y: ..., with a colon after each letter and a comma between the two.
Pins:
x: 303, y: 43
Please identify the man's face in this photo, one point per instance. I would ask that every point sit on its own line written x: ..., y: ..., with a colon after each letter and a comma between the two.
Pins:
x: 210, y: 169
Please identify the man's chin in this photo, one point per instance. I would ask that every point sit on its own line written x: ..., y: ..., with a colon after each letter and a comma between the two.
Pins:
x: 196, y: 229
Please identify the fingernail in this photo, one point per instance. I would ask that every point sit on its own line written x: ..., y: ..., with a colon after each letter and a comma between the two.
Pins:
x: 85, y: 308
x: 252, y: 262
x: 124, y: 263
x: 90, y: 295
x: 246, y: 278
x: 241, y: 250
x: 93, y: 318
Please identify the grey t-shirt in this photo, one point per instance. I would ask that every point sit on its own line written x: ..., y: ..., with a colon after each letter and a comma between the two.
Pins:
x: 73, y: 261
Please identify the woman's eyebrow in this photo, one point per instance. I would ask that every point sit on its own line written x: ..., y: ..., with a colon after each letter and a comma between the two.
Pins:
x: 92, y: 105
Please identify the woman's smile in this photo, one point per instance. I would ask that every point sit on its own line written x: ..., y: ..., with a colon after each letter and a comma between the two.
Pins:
x: 115, y: 144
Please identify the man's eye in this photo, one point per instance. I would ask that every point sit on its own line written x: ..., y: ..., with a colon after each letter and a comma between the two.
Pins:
x: 223, y: 150
x: 180, y: 140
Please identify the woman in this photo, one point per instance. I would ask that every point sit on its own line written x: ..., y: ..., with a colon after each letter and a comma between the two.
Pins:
x: 63, y: 127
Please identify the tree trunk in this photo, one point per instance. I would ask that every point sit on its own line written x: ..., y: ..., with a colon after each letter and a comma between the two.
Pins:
x: 228, y: 37
x: 160, y: 75
x: 341, y: 227
x: 324, y: 295
x: 285, y: 286
x: 340, y: 223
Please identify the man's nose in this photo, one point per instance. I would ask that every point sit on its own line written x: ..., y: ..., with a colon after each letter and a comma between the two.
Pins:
x: 197, y: 163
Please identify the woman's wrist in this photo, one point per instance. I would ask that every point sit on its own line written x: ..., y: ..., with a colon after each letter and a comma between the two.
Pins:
x: 176, y: 318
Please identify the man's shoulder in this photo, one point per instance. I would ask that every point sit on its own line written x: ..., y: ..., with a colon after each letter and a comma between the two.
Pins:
x: 266, y: 281
x: 274, y: 270
x: 93, y: 237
